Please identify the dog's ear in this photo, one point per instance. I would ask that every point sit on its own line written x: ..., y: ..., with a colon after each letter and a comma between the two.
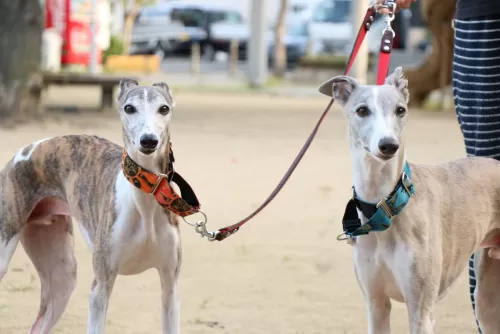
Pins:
x: 167, y: 90
x: 126, y: 84
x: 397, y: 79
x: 339, y: 87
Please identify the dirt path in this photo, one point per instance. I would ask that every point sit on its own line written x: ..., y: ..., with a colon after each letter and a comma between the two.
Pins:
x: 284, y: 272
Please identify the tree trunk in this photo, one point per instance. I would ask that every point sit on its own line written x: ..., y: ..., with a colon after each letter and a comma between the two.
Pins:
x: 21, y: 25
x: 436, y: 70
x: 280, y: 47
x: 127, y: 29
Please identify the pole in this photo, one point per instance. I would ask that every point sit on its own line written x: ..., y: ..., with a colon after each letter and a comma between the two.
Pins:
x: 257, y: 49
x: 195, y: 58
x: 360, y: 67
x: 93, y: 33
x: 233, y: 58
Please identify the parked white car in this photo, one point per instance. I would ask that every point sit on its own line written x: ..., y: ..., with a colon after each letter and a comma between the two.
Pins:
x: 155, y: 32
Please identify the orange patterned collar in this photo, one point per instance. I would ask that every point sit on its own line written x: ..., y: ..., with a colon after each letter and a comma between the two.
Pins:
x: 159, y: 186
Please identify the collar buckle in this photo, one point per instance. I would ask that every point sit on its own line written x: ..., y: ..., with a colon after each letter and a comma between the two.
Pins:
x: 161, y: 177
x: 386, y: 208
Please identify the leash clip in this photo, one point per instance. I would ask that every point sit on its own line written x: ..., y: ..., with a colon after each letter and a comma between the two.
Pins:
x: 201, y: 227
x: 391, y: 6
x: 390, y: 17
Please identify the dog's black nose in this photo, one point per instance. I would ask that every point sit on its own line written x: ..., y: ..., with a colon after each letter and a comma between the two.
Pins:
x: 388, y: 146
x: 149, y: 142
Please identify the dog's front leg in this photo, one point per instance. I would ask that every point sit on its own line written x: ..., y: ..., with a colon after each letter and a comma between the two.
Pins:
x: 420, y: 313
x: 170, y: 302
x: 420, y: 284
x: 170, y: 255
x: 100, y: 292
x: 371, y: 281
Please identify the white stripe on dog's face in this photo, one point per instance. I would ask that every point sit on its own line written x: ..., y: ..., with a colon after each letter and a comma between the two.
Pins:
x: 385, y: 123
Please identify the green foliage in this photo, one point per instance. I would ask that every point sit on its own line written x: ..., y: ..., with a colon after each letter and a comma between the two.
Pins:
x: 115, y: 48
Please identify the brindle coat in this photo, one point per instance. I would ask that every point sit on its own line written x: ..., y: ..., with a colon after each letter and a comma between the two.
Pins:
x: 80, y: 176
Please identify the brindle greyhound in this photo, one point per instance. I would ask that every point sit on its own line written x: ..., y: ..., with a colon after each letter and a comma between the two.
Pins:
x: 422, y: 244
x: 80, y: 176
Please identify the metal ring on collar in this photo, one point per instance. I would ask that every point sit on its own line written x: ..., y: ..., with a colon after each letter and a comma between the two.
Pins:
x: 205, y: 219
x: 343, y: 236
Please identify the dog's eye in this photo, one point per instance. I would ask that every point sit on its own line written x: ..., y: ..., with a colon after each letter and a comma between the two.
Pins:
x: 129, y: 109
x: 362, y: 111
x: 164, y: 110
x: 400, y: 111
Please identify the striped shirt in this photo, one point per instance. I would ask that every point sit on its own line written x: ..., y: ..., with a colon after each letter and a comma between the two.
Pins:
x: 467, y: 9
x: 476, y: 84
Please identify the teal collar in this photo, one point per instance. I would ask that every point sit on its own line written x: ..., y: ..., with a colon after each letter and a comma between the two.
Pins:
x: 380, y: 215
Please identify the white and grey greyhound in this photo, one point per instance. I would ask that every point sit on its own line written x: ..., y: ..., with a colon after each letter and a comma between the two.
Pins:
x: 83, y: 177
x: 418, y: 224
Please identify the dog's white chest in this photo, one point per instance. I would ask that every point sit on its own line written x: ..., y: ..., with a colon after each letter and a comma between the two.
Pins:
x: 375, y: 262
x: 137, y: 249
x: 139, y: 230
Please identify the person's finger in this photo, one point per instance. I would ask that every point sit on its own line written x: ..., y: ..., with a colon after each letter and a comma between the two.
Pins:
x: 384, y: 11
x: 400, y: 4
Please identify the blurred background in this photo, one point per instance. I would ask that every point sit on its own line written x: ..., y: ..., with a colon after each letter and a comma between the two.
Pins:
x: 290, y: 45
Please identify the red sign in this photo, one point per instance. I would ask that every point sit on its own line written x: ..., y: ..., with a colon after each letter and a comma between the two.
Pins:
x: 74, y: 29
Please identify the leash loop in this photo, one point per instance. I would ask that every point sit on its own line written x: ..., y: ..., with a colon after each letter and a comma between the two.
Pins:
x: 389, y: 18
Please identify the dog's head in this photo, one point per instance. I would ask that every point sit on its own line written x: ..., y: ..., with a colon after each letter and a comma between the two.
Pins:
x: 145, y: 112
x: 376, y: 114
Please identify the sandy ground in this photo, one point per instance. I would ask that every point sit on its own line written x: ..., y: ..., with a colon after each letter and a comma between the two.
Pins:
x: 282, y: 273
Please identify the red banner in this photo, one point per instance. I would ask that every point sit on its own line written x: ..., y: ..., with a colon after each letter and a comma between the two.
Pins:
x: 74, y: 28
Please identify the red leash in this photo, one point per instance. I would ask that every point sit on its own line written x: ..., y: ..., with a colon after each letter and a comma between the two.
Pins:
x: 383, y: 68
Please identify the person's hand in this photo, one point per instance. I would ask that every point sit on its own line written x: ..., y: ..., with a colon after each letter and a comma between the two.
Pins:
x: 400, y: 4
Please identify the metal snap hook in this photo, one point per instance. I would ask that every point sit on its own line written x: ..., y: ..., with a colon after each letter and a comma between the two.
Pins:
x: 200, y: 227
x: 389, y: 28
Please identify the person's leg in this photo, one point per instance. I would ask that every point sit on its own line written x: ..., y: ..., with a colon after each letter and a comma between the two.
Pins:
x: 476, y: 90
